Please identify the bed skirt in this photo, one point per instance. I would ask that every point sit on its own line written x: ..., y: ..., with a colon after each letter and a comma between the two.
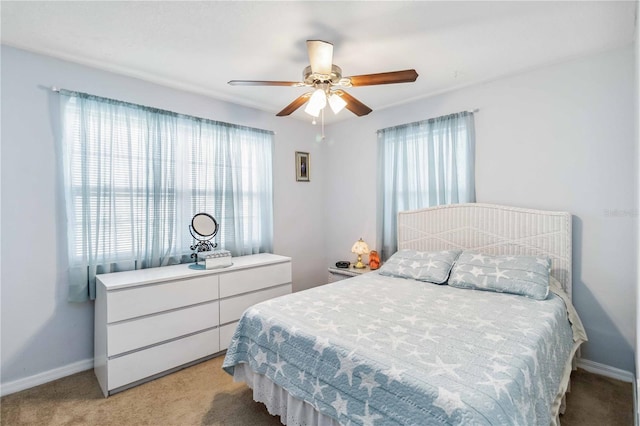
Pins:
x: 279, y: 402
x: 559, y: 404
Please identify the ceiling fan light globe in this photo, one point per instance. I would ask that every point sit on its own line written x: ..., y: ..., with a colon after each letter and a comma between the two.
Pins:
x: 336, y: 103
x: 318, y: 100
x: 314, y: 112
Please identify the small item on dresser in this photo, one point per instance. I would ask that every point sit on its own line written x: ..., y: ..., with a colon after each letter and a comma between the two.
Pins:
x: 374, y: 260
x: 203, y: 228
x: 215, y: 259
x: 342, y: 264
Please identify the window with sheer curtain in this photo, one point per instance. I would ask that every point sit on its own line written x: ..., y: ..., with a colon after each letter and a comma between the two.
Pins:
x: 134, y: 177
x: 423, y: 164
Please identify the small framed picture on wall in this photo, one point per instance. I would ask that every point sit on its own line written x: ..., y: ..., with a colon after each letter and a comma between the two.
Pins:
x: 302, y: 166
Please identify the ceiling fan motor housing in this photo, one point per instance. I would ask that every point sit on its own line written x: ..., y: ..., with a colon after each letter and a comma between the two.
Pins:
x: 335, y: 78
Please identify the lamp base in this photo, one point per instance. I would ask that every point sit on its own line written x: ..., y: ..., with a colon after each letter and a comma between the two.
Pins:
x: 359, y: 265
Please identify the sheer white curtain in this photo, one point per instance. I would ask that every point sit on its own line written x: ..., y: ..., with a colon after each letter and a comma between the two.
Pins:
x: 423, y: 164
x: 230, y: 173
x: 134, y: 176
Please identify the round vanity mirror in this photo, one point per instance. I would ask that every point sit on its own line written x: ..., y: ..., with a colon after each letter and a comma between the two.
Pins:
x: 204, y: 225
x: 203, y: 229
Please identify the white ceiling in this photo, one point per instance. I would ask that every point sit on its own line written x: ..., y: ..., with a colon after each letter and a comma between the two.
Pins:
x: 199, y: 46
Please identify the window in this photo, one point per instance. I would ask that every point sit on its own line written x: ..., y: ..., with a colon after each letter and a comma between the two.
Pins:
x: 134, y: 177
x: 424, y: 164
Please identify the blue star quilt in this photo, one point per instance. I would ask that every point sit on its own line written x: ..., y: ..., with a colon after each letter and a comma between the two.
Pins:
x: 377, y: 350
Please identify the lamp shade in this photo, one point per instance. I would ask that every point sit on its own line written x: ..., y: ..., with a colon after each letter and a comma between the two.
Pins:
x: 312, y: 111
x: 336, y: 103
x: 360, y: 247
x: 317, y: 101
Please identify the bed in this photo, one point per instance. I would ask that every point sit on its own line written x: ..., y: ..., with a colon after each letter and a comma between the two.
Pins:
x: 385, y: 350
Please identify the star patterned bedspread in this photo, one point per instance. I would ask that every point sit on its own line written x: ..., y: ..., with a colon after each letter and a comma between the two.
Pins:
x: 376, y: 350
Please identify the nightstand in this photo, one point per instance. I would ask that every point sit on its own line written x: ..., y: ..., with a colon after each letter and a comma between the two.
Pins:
x: 337, y: 274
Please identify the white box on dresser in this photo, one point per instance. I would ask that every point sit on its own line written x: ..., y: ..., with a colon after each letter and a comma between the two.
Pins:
x: 153, y: 321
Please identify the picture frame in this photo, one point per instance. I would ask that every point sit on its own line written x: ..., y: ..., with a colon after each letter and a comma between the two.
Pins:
x: 303, y: 166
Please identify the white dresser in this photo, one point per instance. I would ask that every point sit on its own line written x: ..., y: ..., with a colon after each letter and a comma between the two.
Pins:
x: 154, y: 321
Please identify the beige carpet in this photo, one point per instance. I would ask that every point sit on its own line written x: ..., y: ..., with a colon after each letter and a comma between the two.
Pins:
x: 205, y: 395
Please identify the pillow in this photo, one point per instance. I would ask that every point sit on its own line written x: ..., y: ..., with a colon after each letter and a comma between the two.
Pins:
x: 433, y: 267
x: 524, y: 275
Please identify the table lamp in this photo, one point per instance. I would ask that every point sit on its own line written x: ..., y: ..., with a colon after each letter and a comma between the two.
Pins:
x: 360, y: 248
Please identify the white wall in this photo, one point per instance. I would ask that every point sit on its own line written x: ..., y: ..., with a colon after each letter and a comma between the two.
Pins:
x: 40, y: 329
x: 558, y: 138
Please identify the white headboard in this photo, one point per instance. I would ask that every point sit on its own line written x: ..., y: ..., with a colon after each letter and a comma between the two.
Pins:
x: 491, y: 229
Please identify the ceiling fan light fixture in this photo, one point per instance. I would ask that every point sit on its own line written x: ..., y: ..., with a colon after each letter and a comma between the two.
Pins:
x: 317, y: 101
x: 311, y: 111
x: 336, y: 103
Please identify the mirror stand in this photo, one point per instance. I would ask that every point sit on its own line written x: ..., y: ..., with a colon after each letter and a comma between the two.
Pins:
x: 203, y: 229
x: 201, y: 246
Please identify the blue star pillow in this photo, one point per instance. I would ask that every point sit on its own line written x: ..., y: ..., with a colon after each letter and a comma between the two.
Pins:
x: 524, y: 275
x: 427, y: 266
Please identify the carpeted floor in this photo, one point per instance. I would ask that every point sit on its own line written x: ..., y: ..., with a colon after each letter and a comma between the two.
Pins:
x: 205, y: 395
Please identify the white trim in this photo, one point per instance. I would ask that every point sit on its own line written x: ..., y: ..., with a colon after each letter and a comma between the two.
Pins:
x: 606, y: 370
x: 45, y: 377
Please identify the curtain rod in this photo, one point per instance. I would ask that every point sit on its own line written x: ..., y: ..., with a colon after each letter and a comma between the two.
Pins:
x: 469, y: 111
x: 57, y: 89
x: 163, y: 111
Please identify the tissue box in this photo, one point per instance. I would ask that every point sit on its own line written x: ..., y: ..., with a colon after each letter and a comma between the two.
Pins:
x: 215, y: 259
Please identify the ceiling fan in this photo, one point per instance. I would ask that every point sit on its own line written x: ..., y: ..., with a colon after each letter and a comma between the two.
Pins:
x: 327, y: 81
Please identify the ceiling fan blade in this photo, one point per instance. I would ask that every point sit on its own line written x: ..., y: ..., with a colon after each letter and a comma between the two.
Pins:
x: 320, y: 56
x: 264, y: 83
x: 353, y: 105
x: 404, y: 76
x: 300, y: 100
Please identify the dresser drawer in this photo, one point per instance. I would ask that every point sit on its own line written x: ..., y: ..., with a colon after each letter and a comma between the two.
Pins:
x: 145, y: 300
x: 157, y: 359
x: 232, y: 308
x: 140, y: 332
x: 254, y: 279
x: 226, y: 334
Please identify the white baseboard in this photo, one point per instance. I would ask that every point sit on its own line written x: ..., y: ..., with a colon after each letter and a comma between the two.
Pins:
x: 45, y: 377
x: 618, y: 374
x: 606, y: 370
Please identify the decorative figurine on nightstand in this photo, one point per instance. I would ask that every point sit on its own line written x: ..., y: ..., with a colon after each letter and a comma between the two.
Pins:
x: 374, y: 260
x: 360, y: 248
